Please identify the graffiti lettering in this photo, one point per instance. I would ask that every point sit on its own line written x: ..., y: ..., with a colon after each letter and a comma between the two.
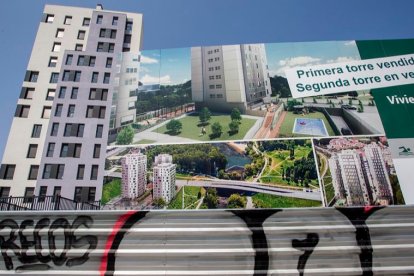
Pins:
x: 254, y: 220
x: 121, y: 227
x: 10, y: 243
x: 358, y: 217
x: 307, y: 245
x: 279, y: 243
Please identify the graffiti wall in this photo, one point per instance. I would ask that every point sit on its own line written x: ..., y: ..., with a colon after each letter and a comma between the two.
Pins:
x: 320, y: 241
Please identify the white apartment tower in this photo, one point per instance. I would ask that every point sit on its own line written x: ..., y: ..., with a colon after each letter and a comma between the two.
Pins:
x: 231, y: 76
x: 76, y: 90
x: 348, y: 178
x: 164, y: 177
x: 134, y: 175
x: 379, y: 181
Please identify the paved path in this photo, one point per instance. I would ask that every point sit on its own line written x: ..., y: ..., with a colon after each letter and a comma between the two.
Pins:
x: 256, y: 179
x: 200, y: 202
x: 249, y: 204
x: 275, y: 131
x: 255, y: 128
x: 264, y: 130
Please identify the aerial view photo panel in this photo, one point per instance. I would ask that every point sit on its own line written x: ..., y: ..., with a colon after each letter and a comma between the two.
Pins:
x: 357, y: 171
x: 235, y: 174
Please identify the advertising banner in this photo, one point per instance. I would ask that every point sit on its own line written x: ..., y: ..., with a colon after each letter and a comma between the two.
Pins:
x: 272, y: 125
x: 262, y: 130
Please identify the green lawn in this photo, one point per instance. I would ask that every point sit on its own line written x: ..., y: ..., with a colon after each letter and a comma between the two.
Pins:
x: 328, y: 186
x: 287, y: 126
x: 193, y: 131
x: 322, y: 163
x: 190, y: 198
x: 111, y: 190
x: 272, y: 201
x: 326, y: 179
x: 279, y: 158
x: 144, y: 141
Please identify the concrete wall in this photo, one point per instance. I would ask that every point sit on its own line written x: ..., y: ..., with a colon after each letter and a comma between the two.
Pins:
x: 358, y: 127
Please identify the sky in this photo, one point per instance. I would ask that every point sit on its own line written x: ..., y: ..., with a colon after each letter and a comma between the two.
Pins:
x: 186, y: 23
x: 165, y: 66
x: 282, y: 56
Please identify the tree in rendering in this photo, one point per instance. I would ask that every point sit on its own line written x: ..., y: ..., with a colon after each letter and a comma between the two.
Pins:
x: 211, y: 198
x: 236, y: 201
x: 204, y: 116
x: 125, y: 136
x: 235, y: 115
x: 174, y: 126
x: 216, y: 130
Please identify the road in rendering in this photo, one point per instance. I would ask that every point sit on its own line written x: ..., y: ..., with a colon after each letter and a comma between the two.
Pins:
x: 242, y: 185
x: 252, y: 187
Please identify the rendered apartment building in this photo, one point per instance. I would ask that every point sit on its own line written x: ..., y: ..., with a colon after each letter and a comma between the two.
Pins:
x: 379, y: 179
x: 227, y: 77
x: 361, y: 177
x: 134, y: 175
x: 164, y: 177
x: 76, y: 90
x: 348, y: 179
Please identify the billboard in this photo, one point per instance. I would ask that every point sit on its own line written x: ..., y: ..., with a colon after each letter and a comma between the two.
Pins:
x: 270, y: 125
x: 241, y: 131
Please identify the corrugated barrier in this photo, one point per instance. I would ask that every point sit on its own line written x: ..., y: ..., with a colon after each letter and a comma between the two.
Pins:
x: 318, y: 241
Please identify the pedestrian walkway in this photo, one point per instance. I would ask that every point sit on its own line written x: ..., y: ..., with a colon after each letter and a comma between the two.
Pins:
x: 275, y: 131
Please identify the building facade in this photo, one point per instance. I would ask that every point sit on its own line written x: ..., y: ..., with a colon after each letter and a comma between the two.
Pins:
x: 164, y: 177
x: 134, y: 175
x: 360, y: 177
x: 379, y: 181
x: 76, y: 90
x: 349, y: 182
x: 231, y: 76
